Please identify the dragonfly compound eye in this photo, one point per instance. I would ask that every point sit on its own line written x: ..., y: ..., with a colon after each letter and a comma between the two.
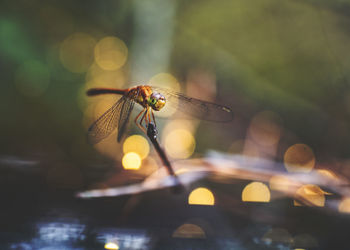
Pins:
x: 157, y: 101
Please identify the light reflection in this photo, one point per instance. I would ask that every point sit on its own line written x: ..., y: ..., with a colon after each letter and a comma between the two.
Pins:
x: 76, y: 52
x: 299, y: 158
x: 111, y: 245
x: 256, y: 192
x: 137, y: 144
x: 344, y: 205
x: 189, y: 231
x: 131, y: 161
x: 327, y: 173
x: 110, y: 53
x: 311, y: 193
x: 61, y: 232
x: 201, y: 196
x: 32, y: 78
x: 180, y: 144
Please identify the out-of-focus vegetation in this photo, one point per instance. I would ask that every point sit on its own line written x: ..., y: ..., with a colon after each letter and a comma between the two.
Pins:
x: 282, y: 66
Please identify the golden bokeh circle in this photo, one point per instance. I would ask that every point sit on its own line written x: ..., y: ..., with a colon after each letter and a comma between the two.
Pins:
x: 256, y: 192
x: 299, y: 158
x: 201, y: 196
x: 131, y: 161
x: 76, y: 52
x: 137, y: 144
x: 110, y: 53
x: 180, y: 144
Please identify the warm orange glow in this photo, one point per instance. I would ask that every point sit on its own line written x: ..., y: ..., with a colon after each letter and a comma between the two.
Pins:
x: 180, y: 144
x: 32, y: 78
x: 111, y: 245
x: 264, y: 128
x: 201, y: 196
x: 344, y: 206
x: 137, y: 144
x: 110, y: 53
x: 277, y: 235
x: 256, y: 192
x: 312, y: 194
x: 299, y: 158
x: 131, y: 161
x: 189, y: 231
x: 76, y: 52
x: 281, y: 183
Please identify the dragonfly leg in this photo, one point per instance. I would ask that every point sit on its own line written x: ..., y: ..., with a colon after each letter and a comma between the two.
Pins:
x: 139, y: 124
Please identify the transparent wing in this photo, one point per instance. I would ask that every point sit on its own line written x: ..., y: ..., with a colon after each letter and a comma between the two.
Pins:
x: 194, y: 107
x: 128, y: 106
x: 106, y: 123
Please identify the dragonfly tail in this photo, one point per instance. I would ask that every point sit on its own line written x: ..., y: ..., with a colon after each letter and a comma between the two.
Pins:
x: 101, y: 91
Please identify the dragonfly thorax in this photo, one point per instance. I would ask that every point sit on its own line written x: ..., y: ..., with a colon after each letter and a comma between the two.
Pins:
x: 156, y: 101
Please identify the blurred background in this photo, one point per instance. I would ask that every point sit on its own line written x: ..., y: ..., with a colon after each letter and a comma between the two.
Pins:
x: 282, y: 67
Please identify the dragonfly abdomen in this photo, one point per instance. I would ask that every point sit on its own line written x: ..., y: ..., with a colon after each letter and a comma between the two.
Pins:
x: 101, y: 91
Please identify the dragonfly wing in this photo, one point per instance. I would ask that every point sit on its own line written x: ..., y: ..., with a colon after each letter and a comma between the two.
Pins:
x: 106, y: 123
x: 126, y: 109
x: 197, y: 108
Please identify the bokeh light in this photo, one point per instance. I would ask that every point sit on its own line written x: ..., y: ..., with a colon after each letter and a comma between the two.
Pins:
x: 76, y: 52
x: 32, y: 78
x: 256, y: 192
x: 189, y: 231
x: 201, y: 196
x: 110, y: 53
x: 264, y: 128
x: 98, y: 77
x: 137, y: 144
x: 312, y: 194
x: 299, y: 158
x: 131, y: 161
x: 166, y: 81
x: 180, y: 144
x: 344, y: 205
x: 111, y: 245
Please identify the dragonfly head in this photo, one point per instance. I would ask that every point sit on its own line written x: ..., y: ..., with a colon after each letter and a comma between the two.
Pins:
x: 156, y: 101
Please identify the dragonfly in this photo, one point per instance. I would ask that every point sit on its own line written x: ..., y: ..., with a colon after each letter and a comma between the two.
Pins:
x: 151, y: 99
